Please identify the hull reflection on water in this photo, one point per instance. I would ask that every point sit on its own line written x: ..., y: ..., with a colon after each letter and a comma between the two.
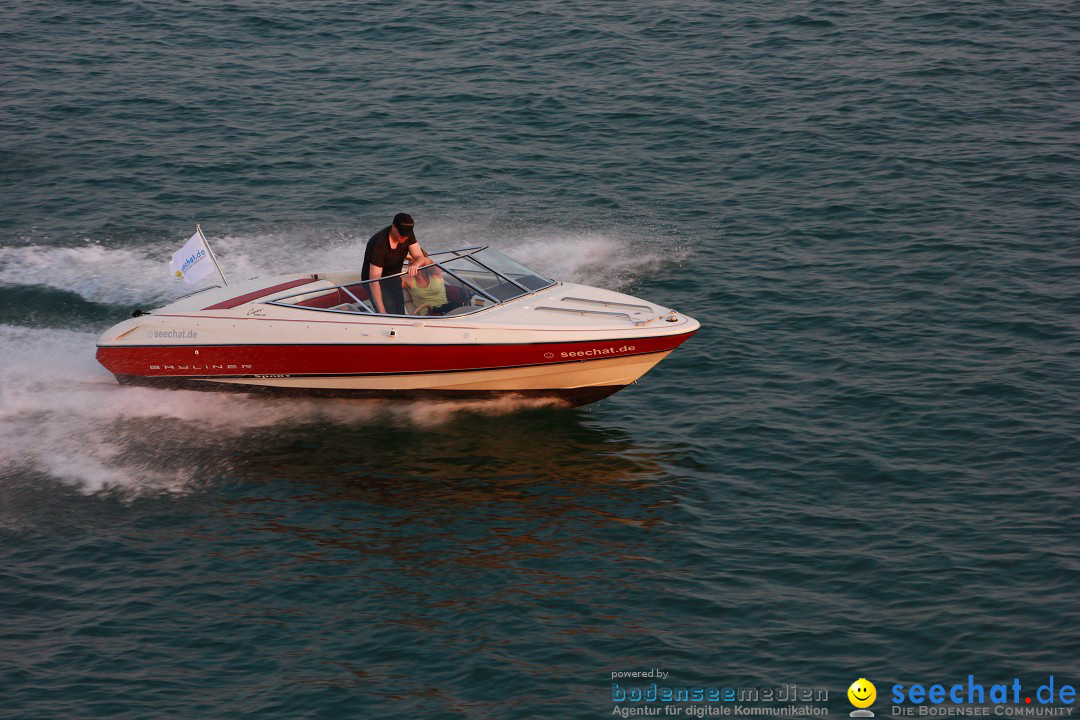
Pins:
x: 477, y: 494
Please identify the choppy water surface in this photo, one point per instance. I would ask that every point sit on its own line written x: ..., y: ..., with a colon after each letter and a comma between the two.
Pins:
x: 863, y: 466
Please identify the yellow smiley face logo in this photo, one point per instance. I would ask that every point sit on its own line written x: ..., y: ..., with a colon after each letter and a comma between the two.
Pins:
x: 862, y: 693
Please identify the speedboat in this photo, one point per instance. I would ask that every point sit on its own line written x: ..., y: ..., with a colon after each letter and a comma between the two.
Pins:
x: 503, y: 329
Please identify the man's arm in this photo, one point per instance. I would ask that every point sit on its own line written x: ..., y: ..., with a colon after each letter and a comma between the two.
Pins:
x: 417, y: 259
x: 375, y: 288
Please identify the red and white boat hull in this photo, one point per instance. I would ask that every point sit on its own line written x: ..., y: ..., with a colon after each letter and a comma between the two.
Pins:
x: 563, y: 341
x: 587, y: 370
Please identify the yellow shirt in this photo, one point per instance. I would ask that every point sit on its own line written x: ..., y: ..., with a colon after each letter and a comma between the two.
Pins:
x: 433, y: 295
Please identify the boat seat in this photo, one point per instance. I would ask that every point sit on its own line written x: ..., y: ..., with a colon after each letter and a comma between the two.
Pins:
x: 326, y: 300
x: 359, y: 290
x: 335, y: 297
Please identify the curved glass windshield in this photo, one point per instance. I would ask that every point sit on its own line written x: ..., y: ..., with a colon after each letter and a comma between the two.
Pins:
x: 512, y: 269
x: 457, y: 282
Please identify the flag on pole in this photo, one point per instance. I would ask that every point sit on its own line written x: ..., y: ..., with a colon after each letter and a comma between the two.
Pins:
x: 194, y: 261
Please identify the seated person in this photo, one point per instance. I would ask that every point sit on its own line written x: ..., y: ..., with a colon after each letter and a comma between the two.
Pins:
x: 428, y: 291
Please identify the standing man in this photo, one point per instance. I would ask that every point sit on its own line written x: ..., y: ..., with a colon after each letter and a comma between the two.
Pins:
x: 385, y: 256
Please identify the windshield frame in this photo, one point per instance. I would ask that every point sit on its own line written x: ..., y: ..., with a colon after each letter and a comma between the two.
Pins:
x: 369, y: 311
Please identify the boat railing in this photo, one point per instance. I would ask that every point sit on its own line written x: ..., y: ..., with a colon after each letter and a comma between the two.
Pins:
x: 196, y: 292
x: 607, y: 303
x: 637, y: 319
x: 585, y: 311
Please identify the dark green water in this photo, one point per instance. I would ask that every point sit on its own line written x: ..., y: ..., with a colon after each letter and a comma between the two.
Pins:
x: 865, y: 465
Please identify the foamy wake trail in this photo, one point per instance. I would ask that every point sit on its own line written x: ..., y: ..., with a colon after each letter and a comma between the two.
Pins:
x: 592, y: 259
x: 104, y: 275
x: 117, y: 276
x: 63, y: 415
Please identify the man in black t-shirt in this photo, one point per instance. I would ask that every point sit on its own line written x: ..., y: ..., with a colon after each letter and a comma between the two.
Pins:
x: 385, y: 255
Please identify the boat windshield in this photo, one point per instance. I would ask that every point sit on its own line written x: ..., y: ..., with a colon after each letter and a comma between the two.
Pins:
x: 457, y: 282
x: 511, y: 269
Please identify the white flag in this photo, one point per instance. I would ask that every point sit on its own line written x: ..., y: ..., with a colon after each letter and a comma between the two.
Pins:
x: 192, y: 262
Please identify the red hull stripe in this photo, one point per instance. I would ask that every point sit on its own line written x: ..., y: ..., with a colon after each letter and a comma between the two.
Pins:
x: 247, y: 360
x: 226, y: 304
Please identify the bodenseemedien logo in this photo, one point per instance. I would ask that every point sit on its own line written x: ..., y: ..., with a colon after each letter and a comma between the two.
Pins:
x: 862, y: 694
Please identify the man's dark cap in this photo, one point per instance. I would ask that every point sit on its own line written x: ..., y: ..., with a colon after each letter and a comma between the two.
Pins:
x: 404, y: 224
